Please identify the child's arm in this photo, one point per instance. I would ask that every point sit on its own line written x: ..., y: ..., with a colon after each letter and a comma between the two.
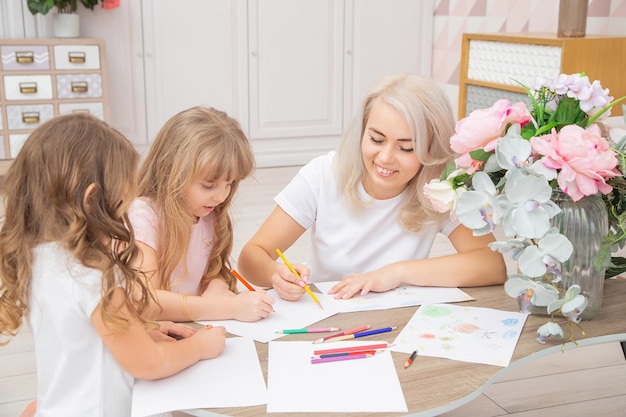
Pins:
x: 139, y: 355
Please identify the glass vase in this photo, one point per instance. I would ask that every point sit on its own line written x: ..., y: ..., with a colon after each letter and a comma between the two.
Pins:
x: 585, y: 223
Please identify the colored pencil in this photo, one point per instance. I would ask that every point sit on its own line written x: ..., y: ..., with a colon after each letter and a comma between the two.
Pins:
x: 341, y: 358
x: 242, y: 280
x: 308, y: 330
x: 357, y: 352
x: 361, y: 334
x: 293, y: 270
x: 345, y: 332
x: 352, y: 348
x: 410, y: 360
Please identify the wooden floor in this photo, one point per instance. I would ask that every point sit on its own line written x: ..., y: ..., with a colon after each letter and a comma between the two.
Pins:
x: 583, y: 382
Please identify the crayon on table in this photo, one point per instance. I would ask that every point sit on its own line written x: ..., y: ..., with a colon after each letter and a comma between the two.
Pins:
x: 308, y: 330
x: 341, y: 358
x: 410, y: 360
x: 361, y: 334
x: 345, y: 332
x: 361, y: 348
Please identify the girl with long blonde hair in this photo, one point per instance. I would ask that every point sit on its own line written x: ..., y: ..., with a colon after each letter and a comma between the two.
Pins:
x: 67, y: 258
x: 182, y: 221
x: 372, y: 227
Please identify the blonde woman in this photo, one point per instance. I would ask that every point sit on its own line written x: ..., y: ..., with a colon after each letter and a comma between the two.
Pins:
x: 67, y: 256
x: 182, y: 222
x: 371, y: 225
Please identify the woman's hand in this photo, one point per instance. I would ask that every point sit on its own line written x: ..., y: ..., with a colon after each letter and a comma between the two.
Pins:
x: 288, y: 285
x: 380, y: 280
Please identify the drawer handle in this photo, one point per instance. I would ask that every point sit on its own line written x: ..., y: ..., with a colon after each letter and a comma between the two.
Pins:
x: 79, y: 86
x: 80, y: 111
x: 77, y: 57
x: 24, y: 57
x: 30, y: 117
x: 28, y: 88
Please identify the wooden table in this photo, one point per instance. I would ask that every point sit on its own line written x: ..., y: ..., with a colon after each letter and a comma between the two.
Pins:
x: 435, y: 385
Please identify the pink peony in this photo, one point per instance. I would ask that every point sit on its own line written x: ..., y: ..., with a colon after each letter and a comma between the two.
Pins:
x: 583, y: 158
x: 484, y: 127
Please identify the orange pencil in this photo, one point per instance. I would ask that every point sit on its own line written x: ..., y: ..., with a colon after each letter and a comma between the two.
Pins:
x: 242, y: 280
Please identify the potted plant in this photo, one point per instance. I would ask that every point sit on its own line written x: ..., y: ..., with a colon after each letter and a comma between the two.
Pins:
x: 65, y: 23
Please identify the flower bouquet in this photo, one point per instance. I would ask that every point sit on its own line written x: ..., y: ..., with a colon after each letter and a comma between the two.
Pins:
x: 514, y: 164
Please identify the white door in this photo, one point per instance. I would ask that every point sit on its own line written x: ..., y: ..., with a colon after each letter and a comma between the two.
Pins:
x: 192, y: 57
x: 296, y: 68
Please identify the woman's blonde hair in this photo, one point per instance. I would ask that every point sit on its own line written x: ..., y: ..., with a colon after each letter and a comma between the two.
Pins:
x: 431, y: 122
x: 72, y: 183
x: 197, y: 142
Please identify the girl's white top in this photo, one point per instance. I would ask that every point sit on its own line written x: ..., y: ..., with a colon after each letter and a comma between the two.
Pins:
x: 76, y: 374
x: 346, y: 240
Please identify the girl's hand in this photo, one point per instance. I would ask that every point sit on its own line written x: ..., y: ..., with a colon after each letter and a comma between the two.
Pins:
x: 170, y: 331
x: 377, y: 281
x: 288, y: 285
x: 211, y: 341
x: 252, y: 305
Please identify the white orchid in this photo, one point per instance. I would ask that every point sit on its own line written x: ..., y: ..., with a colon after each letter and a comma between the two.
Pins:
x: 571, y: 305
x: 529, y: 292
x: 549, y: 329
x: 479, y: 209
x: 536, y: 260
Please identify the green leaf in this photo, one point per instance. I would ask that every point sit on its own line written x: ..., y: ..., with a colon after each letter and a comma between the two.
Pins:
x: 618, y: 266
x: 604, y: 109
x: 480, y: 155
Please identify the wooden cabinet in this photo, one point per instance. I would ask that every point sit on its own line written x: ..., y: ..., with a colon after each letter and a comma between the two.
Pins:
x: 490, y: 64
x: 290, y: 71
x: 43, y: 78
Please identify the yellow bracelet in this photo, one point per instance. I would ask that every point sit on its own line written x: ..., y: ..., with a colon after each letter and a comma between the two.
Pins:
x: 185, y: 309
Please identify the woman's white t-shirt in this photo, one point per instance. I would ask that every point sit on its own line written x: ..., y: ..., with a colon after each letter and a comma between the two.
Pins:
x: 76, y: 374
x: 346, y: 240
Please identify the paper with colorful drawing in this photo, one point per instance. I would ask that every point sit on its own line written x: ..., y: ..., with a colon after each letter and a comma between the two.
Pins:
x: 404, y: 296
x: 468, y: 334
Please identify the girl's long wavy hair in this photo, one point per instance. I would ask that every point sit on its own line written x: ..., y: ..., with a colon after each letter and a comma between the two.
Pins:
x: 200, y: 142
x: 431, y: 122
x: 71, y: 183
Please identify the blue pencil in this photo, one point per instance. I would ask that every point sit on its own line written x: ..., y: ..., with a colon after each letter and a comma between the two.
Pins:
x: 361, y: 334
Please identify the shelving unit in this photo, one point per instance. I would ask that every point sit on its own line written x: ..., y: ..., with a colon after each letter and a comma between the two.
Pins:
x: 43, y: 78
x: 491, y: 62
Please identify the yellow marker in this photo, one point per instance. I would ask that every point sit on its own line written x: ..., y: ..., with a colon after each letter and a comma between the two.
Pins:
x: 306, y: 286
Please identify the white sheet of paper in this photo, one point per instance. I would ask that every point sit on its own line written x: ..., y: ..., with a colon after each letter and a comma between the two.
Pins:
x: 468, y: 334
x: 404, y: 296
x: 211, y: 383
x: 286, y: 315
x: 359, y: 385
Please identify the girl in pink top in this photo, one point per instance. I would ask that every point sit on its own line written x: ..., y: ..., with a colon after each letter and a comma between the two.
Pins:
x: 182, y: 223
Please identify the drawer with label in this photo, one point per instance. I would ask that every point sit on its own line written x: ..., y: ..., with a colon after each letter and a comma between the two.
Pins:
x: 76, y: 57
x: 28, y: 116
x: 95, y: 109
x: 25, y: 57
x: 27, y: 87
x: 79, y: 85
